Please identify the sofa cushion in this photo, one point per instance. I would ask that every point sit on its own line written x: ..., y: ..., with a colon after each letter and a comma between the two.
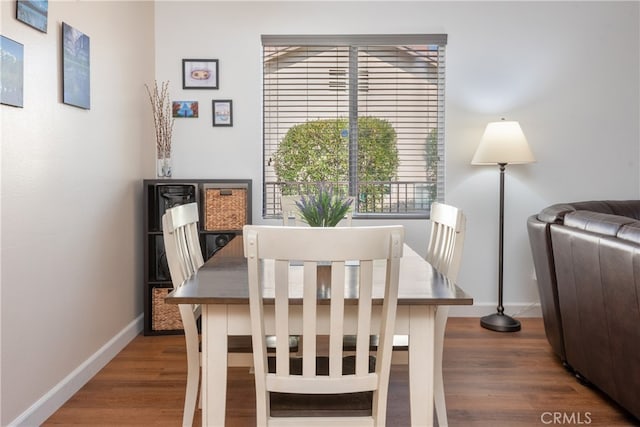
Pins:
x: 630, y: 232
x: 596, y: 222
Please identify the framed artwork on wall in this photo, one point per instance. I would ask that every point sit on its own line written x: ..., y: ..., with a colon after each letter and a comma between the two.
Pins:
x: 222, y: 112
x: 187, y: 109
x: 34, y: 13
x: 200, y: 74
x: 76, y: 68
x: 11, y: 72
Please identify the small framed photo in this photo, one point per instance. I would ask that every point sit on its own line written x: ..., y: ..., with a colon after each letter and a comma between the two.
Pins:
x: 34, y: 13
x: 222, y: 112
x: 183, y: 109
x: 200, y: 74
x: 11, y: 72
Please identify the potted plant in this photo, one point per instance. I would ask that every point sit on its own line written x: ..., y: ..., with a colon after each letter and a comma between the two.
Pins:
x: 324, y: 207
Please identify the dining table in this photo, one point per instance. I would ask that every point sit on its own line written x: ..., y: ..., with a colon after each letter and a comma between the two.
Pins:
x: 221, y: 288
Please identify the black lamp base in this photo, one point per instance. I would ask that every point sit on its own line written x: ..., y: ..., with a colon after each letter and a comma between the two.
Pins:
x: 500, y: 323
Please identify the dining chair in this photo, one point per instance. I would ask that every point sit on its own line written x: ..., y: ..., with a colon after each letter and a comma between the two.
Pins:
x: 291, y: 215
x: 444, y: 252
x: 184, y: 257
x: 270, y: 252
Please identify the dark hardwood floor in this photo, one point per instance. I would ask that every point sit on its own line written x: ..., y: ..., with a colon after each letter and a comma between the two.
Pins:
x: 491, y: 379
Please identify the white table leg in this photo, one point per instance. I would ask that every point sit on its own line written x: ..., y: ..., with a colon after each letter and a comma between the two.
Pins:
x: 442, y: 314
x: 214, y: 364
x: 421, y: 363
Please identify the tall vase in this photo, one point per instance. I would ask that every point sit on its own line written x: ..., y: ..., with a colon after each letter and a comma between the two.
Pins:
x: 167, y: 167
x: 164, y: 167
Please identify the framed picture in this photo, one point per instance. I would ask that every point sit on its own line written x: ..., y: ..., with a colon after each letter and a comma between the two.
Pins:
x: 200, y: 74
x: 34, y: 13
x: 11, y: 72
x: 222, y: 112
x: 185, y: 109
x: 76, y: 68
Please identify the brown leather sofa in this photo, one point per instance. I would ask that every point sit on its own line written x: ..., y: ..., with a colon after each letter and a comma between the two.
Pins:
x: 587, y: 261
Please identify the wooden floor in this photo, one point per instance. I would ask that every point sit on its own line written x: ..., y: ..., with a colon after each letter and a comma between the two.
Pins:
x: 491, y: 379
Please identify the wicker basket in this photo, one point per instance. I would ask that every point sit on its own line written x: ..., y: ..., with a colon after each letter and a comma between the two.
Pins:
x: 225, y: 209
x: 165, y: 317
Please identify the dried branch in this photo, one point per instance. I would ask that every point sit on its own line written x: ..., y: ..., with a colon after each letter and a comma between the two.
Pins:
x: 162, y: 117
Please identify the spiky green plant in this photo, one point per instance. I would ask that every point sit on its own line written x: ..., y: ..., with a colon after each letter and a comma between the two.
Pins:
x: 323, y: 208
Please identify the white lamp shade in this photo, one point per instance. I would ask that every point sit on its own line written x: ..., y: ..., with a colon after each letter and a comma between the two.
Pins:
x: 503, y: 142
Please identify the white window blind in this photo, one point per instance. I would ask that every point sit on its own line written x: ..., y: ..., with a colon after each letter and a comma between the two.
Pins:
x: 364, y: 114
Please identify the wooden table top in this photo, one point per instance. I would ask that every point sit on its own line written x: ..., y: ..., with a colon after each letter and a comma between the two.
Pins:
x: 223, y: 279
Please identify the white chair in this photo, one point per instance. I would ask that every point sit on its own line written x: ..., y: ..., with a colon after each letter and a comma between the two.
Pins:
x: 291, y: 214
x: 275, y: 247
x: 184, y: 257
x: 444, y: 252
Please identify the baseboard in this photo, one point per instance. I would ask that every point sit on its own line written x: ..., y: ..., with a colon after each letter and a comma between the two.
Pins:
x: 58, y: 395
x: 482, y: 309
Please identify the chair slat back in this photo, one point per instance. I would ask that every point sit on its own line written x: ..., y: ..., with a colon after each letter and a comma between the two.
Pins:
x: 444, y: 250
x: 181, y: 242
x: 318, y: 248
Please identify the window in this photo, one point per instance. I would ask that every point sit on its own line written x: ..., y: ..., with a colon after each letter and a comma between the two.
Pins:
x: 364, y: 114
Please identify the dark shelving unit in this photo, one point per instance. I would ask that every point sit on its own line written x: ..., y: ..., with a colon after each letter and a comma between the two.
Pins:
x: 224, y: 206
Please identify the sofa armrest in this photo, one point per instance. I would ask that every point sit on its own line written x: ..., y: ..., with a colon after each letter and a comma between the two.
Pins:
x: 555, y: 214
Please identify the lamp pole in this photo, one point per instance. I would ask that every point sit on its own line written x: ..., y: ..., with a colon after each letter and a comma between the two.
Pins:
x: 499, y: 321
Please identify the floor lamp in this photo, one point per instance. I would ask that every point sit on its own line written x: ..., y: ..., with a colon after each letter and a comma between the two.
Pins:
x: 502, y: 143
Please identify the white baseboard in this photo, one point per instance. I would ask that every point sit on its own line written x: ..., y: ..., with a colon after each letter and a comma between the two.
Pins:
x: 61, y: 392
x: 483, y: 309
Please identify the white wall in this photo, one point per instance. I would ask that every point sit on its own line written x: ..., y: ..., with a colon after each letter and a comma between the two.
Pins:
x: 567, y: 71
x: 71, y: 203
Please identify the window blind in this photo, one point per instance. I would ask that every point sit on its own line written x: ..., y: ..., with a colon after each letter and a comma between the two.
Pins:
x: 364, y: 84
